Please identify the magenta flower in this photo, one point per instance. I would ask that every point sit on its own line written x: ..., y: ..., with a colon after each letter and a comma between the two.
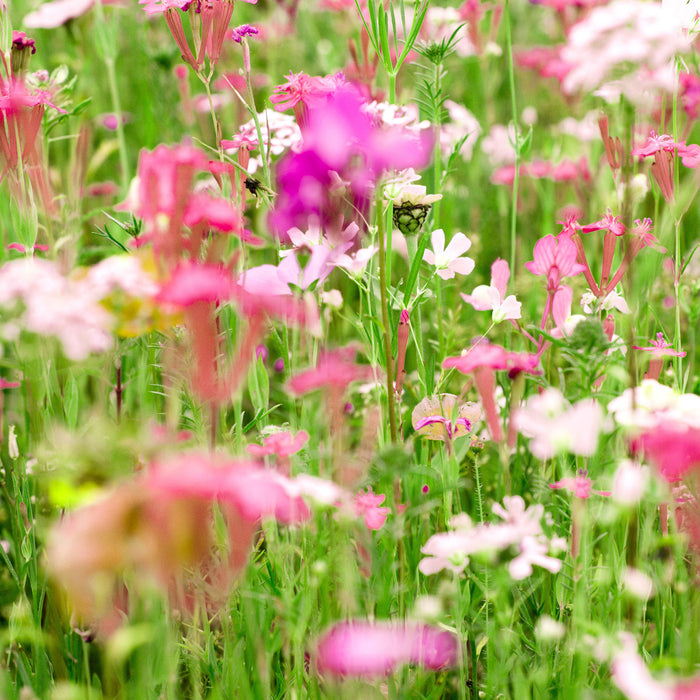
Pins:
x: 357, y: 648
x: 369, y: 506
x: 344, y: 154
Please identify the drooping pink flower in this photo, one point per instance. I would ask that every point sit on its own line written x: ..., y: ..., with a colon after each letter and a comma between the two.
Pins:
x: 369, y: 506
x: 359, y: 648
x: 493, y: 297
x: 555, y: 258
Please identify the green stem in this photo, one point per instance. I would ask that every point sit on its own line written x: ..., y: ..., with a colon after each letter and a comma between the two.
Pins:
x: 514, y: 110
x: 381, y: 233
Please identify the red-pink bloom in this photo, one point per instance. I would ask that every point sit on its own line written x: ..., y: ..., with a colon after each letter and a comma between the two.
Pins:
x: 369, y: 506
x: 21, y: 249
x: 281, y: 444
x: 674, y: 449
x: 357, y: 648
x: 555, y: 258
x: 4, y: 384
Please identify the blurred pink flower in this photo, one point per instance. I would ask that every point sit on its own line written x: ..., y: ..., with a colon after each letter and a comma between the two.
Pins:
x: 282, y: 444
x: 553, y: 426
x: 521, y: 530
x: 357, y: 648
x: 580, y: 485
x: 369, y: 506
x: 54, y: 14
x: 192, y: 282
x: 254, y: 491
x: 336, y: 369
x: 673, y: 448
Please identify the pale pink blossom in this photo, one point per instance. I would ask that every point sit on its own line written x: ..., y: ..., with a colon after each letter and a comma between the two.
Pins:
x: 493, y: 297
x: 553, y: 426
x: 632, y: 677
x: 521, y: 530
x: 629, y: 482
x: 54, y: 305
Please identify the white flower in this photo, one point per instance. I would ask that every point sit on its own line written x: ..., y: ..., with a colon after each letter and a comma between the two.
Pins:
x: 448, y: 261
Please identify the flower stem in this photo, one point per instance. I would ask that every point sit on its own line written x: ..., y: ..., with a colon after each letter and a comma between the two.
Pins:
x: 381, y: 233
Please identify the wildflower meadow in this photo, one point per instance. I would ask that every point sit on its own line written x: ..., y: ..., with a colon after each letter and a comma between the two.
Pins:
x: 349, y: 349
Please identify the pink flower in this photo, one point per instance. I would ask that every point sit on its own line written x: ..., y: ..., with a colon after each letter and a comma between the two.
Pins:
x: 193, y: 282
x: 369, y: 506
x: 670, y: 446
x: 521, y: 530
x: 281, y: 444
x: 660, y: 348
x: 254, y: 491
x: 580, y: 485
x: 336, y: 369
x: 379, y: 648
x: 494, y: 297
x: 689, y: 155
x: 555, y: 258
x: 310, y: 91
